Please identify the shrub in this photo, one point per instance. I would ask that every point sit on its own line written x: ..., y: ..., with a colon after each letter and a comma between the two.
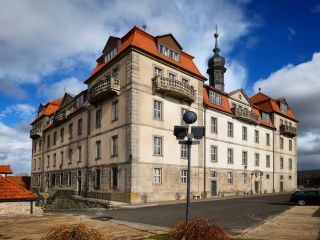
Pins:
x: 73, y: 232
x: 198, y: 229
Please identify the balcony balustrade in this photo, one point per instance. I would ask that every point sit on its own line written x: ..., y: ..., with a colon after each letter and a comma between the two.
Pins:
x: 60, y: 117
x: 246, y: 115
x: 104, y: 89
x: 35, y: 133
x: 288, y: 130
x: 174, y: 88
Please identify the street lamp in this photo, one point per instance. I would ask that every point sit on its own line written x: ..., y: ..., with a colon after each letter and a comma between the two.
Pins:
x: 181, y: 133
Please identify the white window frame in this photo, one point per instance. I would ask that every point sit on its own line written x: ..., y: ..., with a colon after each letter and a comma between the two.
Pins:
x: 230, y: 155
x: 214, y: 153
x: 184, y: 151
x: 245, y: 178
x: 157, y: 175
x: 214, y: 125
x: 268, y: 161
x: 257, y: 159
x: 230, y: 178
x: 230, y: 129
x: 157, y: 109
x: 184, y: 175
x: 244, y: 158
x: 244, y: 133
x: 157, y: 145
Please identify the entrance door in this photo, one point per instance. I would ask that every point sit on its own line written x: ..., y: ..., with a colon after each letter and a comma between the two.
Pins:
x: 213, y: 188
x: 256, y: 187
x: 281, y: 187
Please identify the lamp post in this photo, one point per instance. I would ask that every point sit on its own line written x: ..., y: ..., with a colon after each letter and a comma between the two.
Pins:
x: 181, y: 133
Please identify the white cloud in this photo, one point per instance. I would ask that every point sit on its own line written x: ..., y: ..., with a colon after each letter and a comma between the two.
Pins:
x: 292, y: 33
x: 300, y: 85
x: 71, y: 85
x: 15, y: 148
x: 235, y: 76
x: 23, y: 111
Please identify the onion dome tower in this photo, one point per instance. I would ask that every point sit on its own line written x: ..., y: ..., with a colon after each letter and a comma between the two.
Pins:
x: 216, y: 67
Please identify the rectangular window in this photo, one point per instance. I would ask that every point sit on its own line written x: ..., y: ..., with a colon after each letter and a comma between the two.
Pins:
x: 265, y: 117
x: 157, y: 146
x: 157, y: 110
x: 61, y: 158
x: 213, y: 174
x: 98, y: 178
x: 48, y: 141
x: 283, y: 108
x: 256, y: 136
x: 230, y: 156
x: 114, y: 177
x: 290, y: 145
x: 79, y: 154
x: 54, y: 138
x: 185, y: 81
x: 281, y: 163
x: 69, y: 178
x: 115, y: 110
x: 157, y: 175
x: 230, y: 178
x: 70, y: 130
x: 79, y: 101
x: 48, y: 161
x: 114, y: 145
x: 290, y: 164
x: 39, y: 165
x: 61, y: 134
x: 34, y: 146
x: 115, y: 72
x: 214, y: 125
x: 257, y: 159
x: 214, y: 153
x: 230, y: 129
x: 80, y: 122
x: 267, y: 139
x: 184, y: 176
x: 281, y: 143
x: 98, y: 118
x: 244, y: 133
x: 40, y: 144
x: 70, y: 156
x: 157, y: 71
x: 245, y: 178
x: 61, y: 179
x: 268, y: 161
x: 184, y: 151
x: 54, y: 162
x: 172, y: 76
x: 98, y: 149
x: 215, y: 98
x: 244, y: 158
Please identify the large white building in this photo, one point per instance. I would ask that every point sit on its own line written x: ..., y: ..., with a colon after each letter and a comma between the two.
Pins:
x: 115, y: 140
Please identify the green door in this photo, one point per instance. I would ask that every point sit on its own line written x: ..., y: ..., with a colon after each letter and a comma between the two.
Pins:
x: 213, y: 188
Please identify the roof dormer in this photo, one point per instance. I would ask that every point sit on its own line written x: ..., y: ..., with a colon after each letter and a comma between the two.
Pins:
x: 169, y: 46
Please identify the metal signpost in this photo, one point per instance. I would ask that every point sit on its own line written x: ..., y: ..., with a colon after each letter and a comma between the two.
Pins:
x: 181, y: 133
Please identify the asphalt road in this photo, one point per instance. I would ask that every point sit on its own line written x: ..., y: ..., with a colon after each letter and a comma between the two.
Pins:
x: 235, y: 215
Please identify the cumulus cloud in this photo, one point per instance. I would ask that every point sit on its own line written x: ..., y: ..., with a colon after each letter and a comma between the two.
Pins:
x: 23, y: 111
x: 235, y: 76
x: 71, y: 85
x: 15, y: 148
x: 300, y: 85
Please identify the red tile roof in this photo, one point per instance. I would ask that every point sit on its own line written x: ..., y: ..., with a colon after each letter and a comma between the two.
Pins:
x: 49, y: 109
x: 146, y: 42
x: 22, y: 181
x: 5, y: 169
x: 225, y: 103
x: 270, y: 105
x: 257, y: 111
x: 10, y: 191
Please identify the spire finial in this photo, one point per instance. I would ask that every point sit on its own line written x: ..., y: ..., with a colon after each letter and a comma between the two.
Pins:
x: 259, y: 89
x: 144, y: 26
x: 216, y: 35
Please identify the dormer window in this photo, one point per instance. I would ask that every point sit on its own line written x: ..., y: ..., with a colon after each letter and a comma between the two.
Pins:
x: 265, y: 117
x: 110, y: 54
x: 215, y: 98
x: 79, y: 101
x: 283, y: 108
x: 168, y: 52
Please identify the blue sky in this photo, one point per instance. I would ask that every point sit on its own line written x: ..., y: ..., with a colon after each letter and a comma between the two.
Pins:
x: 49, y: 46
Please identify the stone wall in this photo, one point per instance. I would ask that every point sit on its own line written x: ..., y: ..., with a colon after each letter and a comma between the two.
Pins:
x: 18, y: 208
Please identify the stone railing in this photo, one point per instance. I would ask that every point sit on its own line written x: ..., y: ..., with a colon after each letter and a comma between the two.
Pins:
x: 60, y: 117
x: 174, y: 88
x: 288, y: 130
x: 35, y: 132
x: 246, y: 115
x: 103, y: 89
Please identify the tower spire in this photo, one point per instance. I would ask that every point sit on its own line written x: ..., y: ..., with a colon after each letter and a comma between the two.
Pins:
x: 216, y: 35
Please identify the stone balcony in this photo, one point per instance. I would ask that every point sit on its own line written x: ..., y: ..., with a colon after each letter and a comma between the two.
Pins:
x: 288, y: 130
x: 35, y: 133
x: 246, y: 115
x: 60, y: 117
x: 174, y: 88
x: 104, y: 89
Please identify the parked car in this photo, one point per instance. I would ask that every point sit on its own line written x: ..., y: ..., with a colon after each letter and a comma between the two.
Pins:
x: 306, y: 196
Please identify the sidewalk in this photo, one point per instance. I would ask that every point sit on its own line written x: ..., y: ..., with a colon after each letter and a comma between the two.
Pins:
x: 297, y: 223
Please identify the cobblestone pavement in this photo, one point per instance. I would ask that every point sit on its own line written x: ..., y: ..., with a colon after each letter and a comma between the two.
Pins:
x: 297, y: 223
x: 32, y: 228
